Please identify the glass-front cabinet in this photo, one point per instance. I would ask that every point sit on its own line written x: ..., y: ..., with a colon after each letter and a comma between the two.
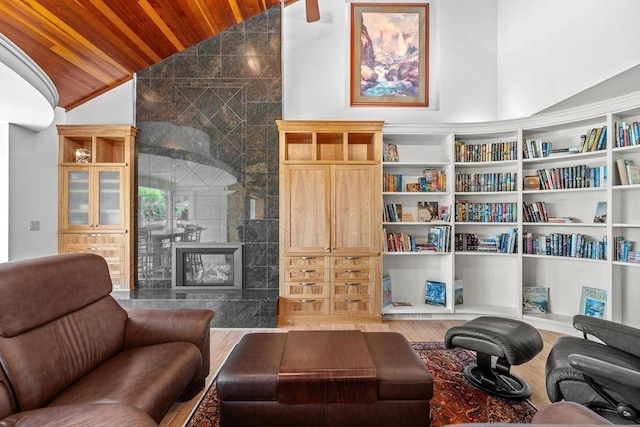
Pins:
x: 96, y: 195
x: 94, y: 198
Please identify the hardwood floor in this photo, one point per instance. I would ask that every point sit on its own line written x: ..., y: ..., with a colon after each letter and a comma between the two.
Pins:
x: 223, y: 340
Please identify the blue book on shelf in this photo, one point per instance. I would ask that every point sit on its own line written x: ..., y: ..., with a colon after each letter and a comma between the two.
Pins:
x: 435, y: 293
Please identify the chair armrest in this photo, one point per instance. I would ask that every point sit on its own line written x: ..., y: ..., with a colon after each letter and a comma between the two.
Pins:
x: 602, y: 370
x: 622, y: 337
x: 148, y: 326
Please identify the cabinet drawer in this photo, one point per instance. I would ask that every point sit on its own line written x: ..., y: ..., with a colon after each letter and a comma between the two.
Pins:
x: 352, y: 261
x: 306, y: 306
x: 352, y: 306
x: 95, y: 239
x: 352, y: 274
x: 113, y: 255
x: 304, y: 274
x: 318, y: 289
x: 352, y: 289
x: 305, y: 261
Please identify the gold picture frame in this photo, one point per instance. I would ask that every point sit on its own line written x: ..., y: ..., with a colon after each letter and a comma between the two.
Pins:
x: 390, y: 69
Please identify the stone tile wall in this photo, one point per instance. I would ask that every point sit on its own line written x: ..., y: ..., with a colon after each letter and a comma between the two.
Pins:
x: 207, y: 137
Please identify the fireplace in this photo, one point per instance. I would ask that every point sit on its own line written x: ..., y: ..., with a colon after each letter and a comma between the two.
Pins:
x: 206, y: 265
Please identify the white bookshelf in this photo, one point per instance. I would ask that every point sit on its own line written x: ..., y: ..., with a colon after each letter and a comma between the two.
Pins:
x: 493, y: 281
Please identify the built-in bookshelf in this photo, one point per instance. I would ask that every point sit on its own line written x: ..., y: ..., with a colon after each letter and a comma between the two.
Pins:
x: 418, y: 187
x: 575, y: 224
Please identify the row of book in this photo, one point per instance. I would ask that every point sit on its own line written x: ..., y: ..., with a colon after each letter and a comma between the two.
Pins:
x: 503, y: 243
x: 594, y: 140
x: 466, y: 211
x: 624, y: 251
x: 533, y: 149
x: 485, y: 182
x: 535, y: 212
x: 580, y: 176
x: 392, y: 212
x: 437, y: 240
x: 488, y: 152
x: 627, y: 134
x: 400, y: 242
x: 563, y: 244
x: 432, y: 182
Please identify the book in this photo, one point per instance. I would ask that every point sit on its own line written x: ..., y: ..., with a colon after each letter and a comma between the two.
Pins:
x: 413, y: 187
x: 443, y: 213
x: 427, y: 211
x: 535, y: 299
x: 401, y: 304
x: 390, y: 153
x: 622, y: 170
x: 435, y: 293
x: 458, y: 292
x: 593, y: 302
x: 601, y: 213
x: 561, y: 220
x: 532, y: 182
x: 386, y: 291
x: 633, y: 173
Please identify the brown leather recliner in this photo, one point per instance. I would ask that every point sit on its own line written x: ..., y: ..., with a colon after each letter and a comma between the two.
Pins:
x: 70, y: 354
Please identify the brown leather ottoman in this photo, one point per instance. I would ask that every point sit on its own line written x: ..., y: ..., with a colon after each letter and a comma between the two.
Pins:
x: 336, y: 381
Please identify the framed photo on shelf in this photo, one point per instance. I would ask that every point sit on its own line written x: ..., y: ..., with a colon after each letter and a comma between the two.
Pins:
x: 593, y: 302
x: 389, y: 54
x: 600, y: 215
x: 535, y: 299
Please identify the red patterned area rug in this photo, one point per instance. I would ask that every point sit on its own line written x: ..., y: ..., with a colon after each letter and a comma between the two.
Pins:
x: 454, y: 400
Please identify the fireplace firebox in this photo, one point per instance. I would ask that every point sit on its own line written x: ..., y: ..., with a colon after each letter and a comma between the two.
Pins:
x: 208, y: 266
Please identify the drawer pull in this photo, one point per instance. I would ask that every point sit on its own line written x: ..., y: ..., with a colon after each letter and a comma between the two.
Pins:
x: 95, y: 235
x: 351, y: 257
x: 306, y: 283
x: 353, y: 283
x: 352, y: 300
x: 307, y: 257
x: 95, y: 249
x: 306, y: 300
x: 353, y: 271
x: 307, y: 271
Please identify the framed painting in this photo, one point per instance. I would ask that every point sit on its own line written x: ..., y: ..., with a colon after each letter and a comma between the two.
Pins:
x: 389, y: 54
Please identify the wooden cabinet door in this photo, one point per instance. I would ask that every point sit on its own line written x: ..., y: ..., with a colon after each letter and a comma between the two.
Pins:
x: 355, y: 212
x: 305, y: 209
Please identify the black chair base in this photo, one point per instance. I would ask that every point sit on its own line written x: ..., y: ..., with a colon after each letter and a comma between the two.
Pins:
x: 496, y: 381
x: 499, y: 343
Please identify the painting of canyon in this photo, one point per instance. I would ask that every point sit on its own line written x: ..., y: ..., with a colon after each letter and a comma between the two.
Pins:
x: 389, y: 54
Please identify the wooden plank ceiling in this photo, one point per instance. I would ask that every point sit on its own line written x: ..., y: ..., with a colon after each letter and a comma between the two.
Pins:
x: 87, y: 47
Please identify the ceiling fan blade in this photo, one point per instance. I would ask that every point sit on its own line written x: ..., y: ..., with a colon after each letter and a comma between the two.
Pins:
x: 313, y: 11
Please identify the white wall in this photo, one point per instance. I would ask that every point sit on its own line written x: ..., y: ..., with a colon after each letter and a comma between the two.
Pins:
x: 549, y: 50
x: 33, y: 193
x: 33, y: 176
x: 462, y: 57
x: 115, y: 107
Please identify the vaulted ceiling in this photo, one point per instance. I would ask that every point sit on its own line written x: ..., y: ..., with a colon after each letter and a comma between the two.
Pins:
x: 87, y: 47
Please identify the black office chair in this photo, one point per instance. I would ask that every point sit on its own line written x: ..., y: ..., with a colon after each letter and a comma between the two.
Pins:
x: 603, y: 375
